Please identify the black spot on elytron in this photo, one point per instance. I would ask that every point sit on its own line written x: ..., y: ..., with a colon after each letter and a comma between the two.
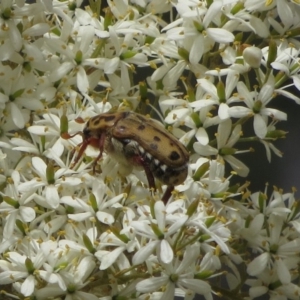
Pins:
x: 108, y: 118
x: 141, y: 127
x: 171, y: 144
x: 156, y: 138
x: 174, y: 155
x: 153, y: 146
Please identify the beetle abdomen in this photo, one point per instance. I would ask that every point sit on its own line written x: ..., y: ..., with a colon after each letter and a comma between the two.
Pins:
x: 169, y: 175
x: 130, y: 152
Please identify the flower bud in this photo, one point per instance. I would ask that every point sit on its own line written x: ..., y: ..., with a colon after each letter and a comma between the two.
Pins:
x: 252, y: 56
x: 50, y: 174
x: 276, y: 134
x: 78, y: 57
x: 21, y: 226
x: 262, y: 201
x: 192, y: 208
x: 143, y: 90
x: 88, y: 244
x: 93, y: 202
x: 191, y: 94
x: 198, y: 26
x: 272, y: 53
x: 6, y: 13
x: 128, y: 54
x: 195, y: 117
x: 116, y: 231
x: 64, y: 124
x: 221, y: 92
x: 157, y: 231
x: 29, y: 265
x: 257, y: 106
x: 209, y: 221
x: 237, y: 8
x: 227, y: 151
x: 201, y: 171
x: 149, y: 39
x: 183, y: 53
x: 108, y: 18
x: 16, y: 94
x: 11, y: 202
x: 203, y: 275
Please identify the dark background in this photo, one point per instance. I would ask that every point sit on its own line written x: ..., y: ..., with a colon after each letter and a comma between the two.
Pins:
x: 283, y: 172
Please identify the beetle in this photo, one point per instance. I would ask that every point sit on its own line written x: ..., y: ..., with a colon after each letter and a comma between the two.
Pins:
x: 136, y: 141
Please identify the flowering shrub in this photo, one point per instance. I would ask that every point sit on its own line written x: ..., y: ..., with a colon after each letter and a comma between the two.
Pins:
x: 203, y: 68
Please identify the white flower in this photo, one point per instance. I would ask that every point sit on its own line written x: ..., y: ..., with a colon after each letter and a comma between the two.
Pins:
x: 24, y: 267
x: 197, y: 39
x: 276, y: 251
x: 102, y: 207
x: 219, y: 94
x: 225, y: 142
x: 268, y: 284
x: 75, y: 280
x: 257, y: 107
x: 73, y: 57
x: 107, y: 258
x: 178, y: 274
x: 16, y: 97
x: 15, y: 206
x: 159, y: 233
x: 49, y: 185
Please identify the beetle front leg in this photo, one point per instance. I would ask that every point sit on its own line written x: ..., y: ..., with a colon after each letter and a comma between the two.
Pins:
x: 83, y: 146
x: 101, y: 142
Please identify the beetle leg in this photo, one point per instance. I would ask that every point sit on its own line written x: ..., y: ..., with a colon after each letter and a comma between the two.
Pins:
x: 101, y: 148
x: 141, y: 161
x: 83, y: 146
x: 167, y: 194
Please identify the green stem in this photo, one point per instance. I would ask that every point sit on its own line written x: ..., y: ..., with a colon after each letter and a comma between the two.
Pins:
x: 256, y: 70
x: 247, y: 81
x: 267, y: 75
x: 249, y: 139
x: 96, y: 6
x: 179, y: 235
x: 281, y: 80
x: 190, y: 242
x: 242, y: 121
x: 98, y: 49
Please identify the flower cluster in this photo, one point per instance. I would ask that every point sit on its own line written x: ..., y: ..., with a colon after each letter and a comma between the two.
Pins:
x: 73, y: 229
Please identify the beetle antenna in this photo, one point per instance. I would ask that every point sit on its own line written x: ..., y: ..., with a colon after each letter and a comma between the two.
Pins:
x: 67, y: 136
x: 78, y: 132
